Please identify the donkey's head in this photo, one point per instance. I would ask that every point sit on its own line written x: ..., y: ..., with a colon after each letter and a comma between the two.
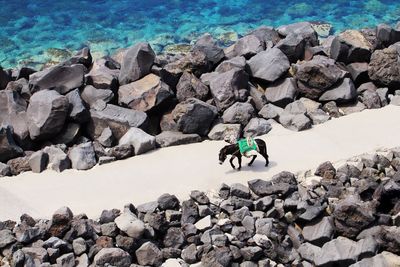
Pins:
x: 222, y: 155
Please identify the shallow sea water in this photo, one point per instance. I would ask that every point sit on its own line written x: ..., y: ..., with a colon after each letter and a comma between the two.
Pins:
x: 33, y: 32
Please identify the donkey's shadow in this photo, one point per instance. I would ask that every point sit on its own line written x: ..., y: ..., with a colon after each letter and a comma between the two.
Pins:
x: 257, y: 166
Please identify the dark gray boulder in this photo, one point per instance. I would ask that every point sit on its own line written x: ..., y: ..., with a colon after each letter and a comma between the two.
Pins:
x: 302, y: 29
x: 169, y: 138
x: 194, y: 116
x: 58, y: 159
x: 257, y: 127
x: 8, y: 148
x: 118, y: 119
x: 141, y: 141
x: 103, y: 75
x: 113, y: 257
x: 239, y: 113
x: 225, y: 86
x: 83, y: 57
x: 13, y: 113
x: 270, y: 111
x: 189, y: 86
x: 371, y: 99
x: 358, y: 72
x: 320, y: 232
x: 209, y: 47
x: 68, y: 135
x: 317, y: 75
x: 248, y: 46
x: 268, y: 65
x: 147, y: 94
x: 38, y: 161
x: 282, y: 92
x: 6, y: 238
x: 384, y: 67
x: 5, y: 170
x: 149, y: 254
x: 59, y: 78
x: 221, y: 131
x: 351, y: 46
x: 4, y: 78
x: 77, y: 110
x: 106, y: 138
x: 194, y: 62
x: 82, y: 156
x: 136, y: 63
x: 227, y: 65
x: 91, y: 95
x: 46, y: 114
x: 298, y: 36
x: 351, y: 216
x: 340, y: 93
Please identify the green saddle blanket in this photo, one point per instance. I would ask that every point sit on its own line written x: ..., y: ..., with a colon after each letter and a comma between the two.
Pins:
x: 246, y: 145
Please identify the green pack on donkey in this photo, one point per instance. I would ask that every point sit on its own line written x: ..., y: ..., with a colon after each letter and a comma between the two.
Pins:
x: 247, y: 147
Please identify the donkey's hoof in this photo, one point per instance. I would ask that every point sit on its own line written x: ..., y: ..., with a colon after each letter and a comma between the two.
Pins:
x: 249, y: 164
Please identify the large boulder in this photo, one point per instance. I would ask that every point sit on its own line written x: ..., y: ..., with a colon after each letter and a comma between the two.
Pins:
x: 77, y: 110
x: 147, y: 94
x: 38, y: 161
x: 91, y: 95
x: 195, y: 62
x: 128, y: 223
x: 139, y: 140
x: 82, y: 156
x: 8, y: 148
x: 118, y: 119
x: 384, y: 67
x: 317, y: 75
x: 386, y: 35
x: 68, y: 135
x: 149, y: 254
x: 298, y: 36
x: 194, y: 116
x: 83, y: 57
x: 268, y: 65
x: 169, y: 138
x: 113, y: 257
x: 189, y: 86
x: 239, y: 113
x: 225, y: 86
x: 57, y: 158
x: 4, y: 78
x: 13, y: 113
x: 358, y: 72
x: 352, y: 216
x: 60, y: 78
x: 227, y: 65
x: 248, y: 46
x: 340, y: 93
x: 103, y: 75
x: 222, y: 131
x: 351, y: 46
x: 209, y: 47
x: 256, y: 127
x: 46, y: 113
x: 282, y: 92
x: 136, y: 63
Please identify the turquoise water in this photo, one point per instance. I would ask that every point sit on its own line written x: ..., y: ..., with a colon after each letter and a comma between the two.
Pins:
x: 33, y: 32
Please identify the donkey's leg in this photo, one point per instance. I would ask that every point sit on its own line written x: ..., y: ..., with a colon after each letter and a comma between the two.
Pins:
x: 240, y: 162
x: 252, y: 160
x: 231, y: 162
x: 263, y: 152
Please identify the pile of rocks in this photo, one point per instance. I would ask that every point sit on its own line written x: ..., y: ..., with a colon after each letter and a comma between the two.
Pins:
x: 345, y: 216
x: 83, y: 112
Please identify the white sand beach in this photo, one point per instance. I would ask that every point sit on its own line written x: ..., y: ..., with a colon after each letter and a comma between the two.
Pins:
x: 180, y: 169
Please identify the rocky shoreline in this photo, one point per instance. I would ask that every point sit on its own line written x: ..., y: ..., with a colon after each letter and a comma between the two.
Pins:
x: 81, y: 112
x: 346, y: 215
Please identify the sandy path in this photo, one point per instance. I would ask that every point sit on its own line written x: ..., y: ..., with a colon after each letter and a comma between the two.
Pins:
x: 180, y: 169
